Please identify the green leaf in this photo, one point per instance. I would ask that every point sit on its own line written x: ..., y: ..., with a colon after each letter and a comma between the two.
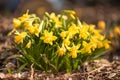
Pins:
x: 9, y: 70
x: 34, y: 61
x: 22, y: 67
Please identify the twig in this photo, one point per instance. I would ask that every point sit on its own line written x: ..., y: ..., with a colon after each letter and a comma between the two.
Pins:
x: 95, y: 70
x: 32, y: 73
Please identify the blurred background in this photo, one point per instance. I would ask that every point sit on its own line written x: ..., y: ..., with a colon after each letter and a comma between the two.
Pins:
x: 89, y: 11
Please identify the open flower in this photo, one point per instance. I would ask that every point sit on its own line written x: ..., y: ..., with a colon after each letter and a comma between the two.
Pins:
x: 61, y: 50
x: 83, y: 33
x: 72, y: 30
x: 19, y: 38
x: 66, y: 42
x: 55, y: 19
x: 48, y: 37
x: 74, y: 50
x: 106, y: 44
x: 34, y: 29
x: 63, y: 34
x: 28, y: 23
x: 86, y: 48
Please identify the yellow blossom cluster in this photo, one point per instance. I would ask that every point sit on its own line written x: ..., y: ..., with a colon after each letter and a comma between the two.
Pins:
x: 70, y: 35
x: 57, y: 42
x: 114, y: 36
x: 89, y: 39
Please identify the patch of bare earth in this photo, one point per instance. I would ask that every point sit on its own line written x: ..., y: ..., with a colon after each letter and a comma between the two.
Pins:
x: 96, y: 70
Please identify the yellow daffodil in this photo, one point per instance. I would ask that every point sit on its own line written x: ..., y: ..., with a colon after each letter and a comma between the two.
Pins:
x: 101, y: 25
x: 73, y: 54
x: 16, y: 23
x: 83, y: 34
x: 28, y: 45
x: 61, y: 50
x: 48, y: 37
x: 86, y: 48
x: 55, y: 19
x: 28, y: 23
x: 63, y: 34
x: 72, y: 30
x: 93, y: 45
x: 24, y: 16
x: 100, y: 44
x: 74, y: 50
x: 116, y: 31
x: 97, y: 36
x: 92, y: 28
x: 106, y: 44
x: 34, y: 29
x: 83, y: 31
x: 19, y: 38
x: 66, y: 42
x: 58, y: 23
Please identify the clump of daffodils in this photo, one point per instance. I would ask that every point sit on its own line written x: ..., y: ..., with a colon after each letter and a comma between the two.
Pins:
x: 114, y: 36
x: 56, y: 42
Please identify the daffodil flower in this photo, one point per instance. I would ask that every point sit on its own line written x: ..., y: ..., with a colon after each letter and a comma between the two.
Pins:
x: 28, y: 23
x: 61, y: 50
x: 100, y: 44
x: 19, y: 38
x: 101, y: 25
x: 106, y: 44
x: 74, y: 50
x: 24, y: 16
x: 48, y: 37
x: 86, y: 48
x: 28, y: 45
x: 63, y: 34
x: 66, y: 42
x: 34, y: 29
x: 116, y: 31
x: 72, y: 30
x: 55, y: 19
x: 83, y: 32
